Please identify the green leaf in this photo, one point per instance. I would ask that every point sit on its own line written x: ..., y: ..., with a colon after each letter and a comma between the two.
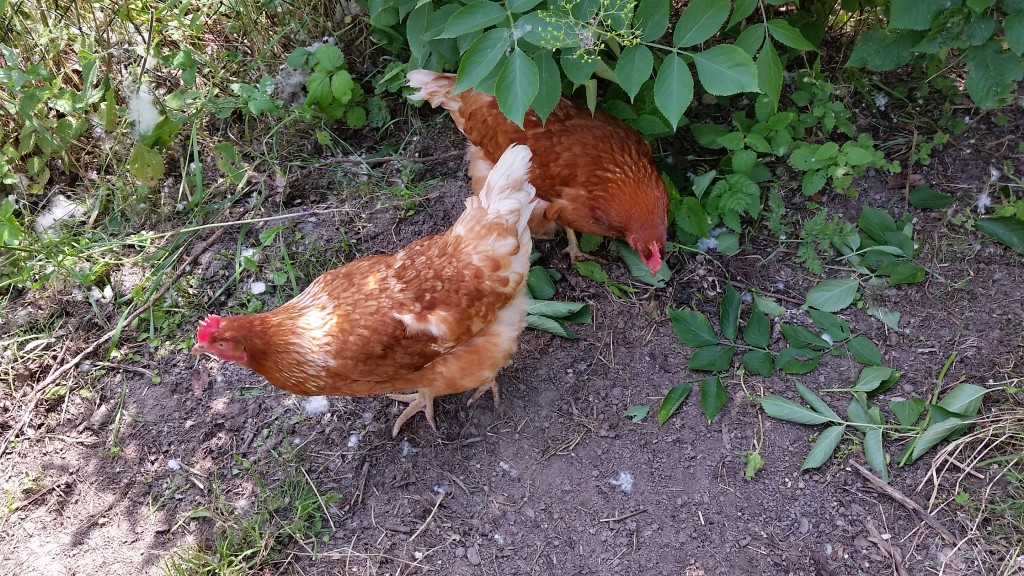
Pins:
x: 298, y: 57
x: 907, y: 411
x: 743, y: 161
x: 712, y: 396
x: 833, y: 325
x: 751, y: 39
x: 902, y: 272
x: 754, y: 463
x: 481, y: 57
x: 550, y: 325
x: 797, y: 360
x: 342, y: 86
x: 637, y: 268
x: 876, y: 223
x: 540, y: 284
x: 634, y: 68
x: 651, y: 19
x: 768, y: 306
x: 729, y: 313
x: 964, y: 399
x: 318, y: 89
x: 1013, y: 32
x: 816, y: 403
x: 725, y: 70
x: 758, y: 362
x: 520, y: 6
x: 916, y: 15
x: 871, y: 377
x: 784, y: 32
x: 992, y: 74
x: 783, y: 409
x: 728, y: 243
x: 672, y: 401
x: 864, y: 351
x: 858, y: 413
x: 673, y: 88
x: 554, y: 309
x: 800, y: 337
x: 824, y: 446
x: 146, y: 164
x: 473, y: 17
x: 594, y: 271
x: 550, y: 91
x: 637, y: 413
x: 934, y: 434
x: 874, y: 453
x: 700, y: 20
x: 832, y: 295
x: 1006, y: 230
x: 888, y: 317
x: 692, y: 219
x: 758, y: 331
x: 577, y: 69
x: 769, y: 73
x: 924, y: 196
x: 517, y: 86
x: 692, y: 328
x: 714, y: 358
x: 328, y: 58
x: 880, y: 50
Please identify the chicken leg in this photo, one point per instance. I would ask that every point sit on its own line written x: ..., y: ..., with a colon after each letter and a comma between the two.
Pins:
x: 420, y: 401
x: 573, y: 249
x: 491, y: 385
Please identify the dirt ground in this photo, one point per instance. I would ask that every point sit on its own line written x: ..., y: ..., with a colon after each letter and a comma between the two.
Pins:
x: 557, y: 481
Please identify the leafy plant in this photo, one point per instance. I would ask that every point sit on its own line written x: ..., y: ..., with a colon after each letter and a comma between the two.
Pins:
x: 546, y: 314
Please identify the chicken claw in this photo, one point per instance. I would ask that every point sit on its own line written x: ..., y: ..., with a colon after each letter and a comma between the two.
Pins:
x: 573, y: 249
x: 421, y: 400
x: 491, y: 385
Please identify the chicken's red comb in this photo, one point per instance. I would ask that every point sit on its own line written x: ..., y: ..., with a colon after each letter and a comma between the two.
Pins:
x: 207, y: 328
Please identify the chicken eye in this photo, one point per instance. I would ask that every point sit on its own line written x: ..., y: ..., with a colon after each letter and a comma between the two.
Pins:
x: 221, y: 345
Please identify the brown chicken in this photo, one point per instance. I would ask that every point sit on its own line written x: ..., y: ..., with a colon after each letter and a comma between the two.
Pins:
x: 593, y: 173
x: 441, y: 316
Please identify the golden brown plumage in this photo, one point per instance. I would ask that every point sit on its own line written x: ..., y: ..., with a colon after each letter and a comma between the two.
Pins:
x: 440, y: 316
x: 593, y: 173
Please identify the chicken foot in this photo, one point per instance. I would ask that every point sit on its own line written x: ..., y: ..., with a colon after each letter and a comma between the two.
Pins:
x: 491, y: 385
x: 573, y: 249
x: 420, y: 401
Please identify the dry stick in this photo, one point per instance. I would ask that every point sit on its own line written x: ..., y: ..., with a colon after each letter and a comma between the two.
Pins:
x: 886, y: 546
x: 744, y: 285
x: 37, y: 392
x: 429, y: 518
x: 625, y: 516
x: 907, y: 502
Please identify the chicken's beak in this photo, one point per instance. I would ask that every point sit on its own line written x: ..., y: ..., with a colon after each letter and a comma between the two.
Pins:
x: 199, y: 350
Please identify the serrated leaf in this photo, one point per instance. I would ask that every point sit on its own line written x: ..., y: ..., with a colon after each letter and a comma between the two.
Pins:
x: 473, y: 17
x: 963, y: 399
x: 907, y: 411
x: 783, y: 409
x: 753, y: 464
x: 540, y: 284
x: 758, y: 362
x: 864, y: 351
x: 874, y: 453
x: 342, y: 86
x: 634, y: 68
x: 651, y: 18
x: 672, y: 401
x: 692, y: 328
x: 768, y: 306
x: 871, y: 377
x: 858, y: 413
x: 692, y: 219
x: 550, y: 325
x: 673, y: 88
x: 520, y: 6
x: 481, y: 57
x: 1006, y: 230
x: 816, y: 403
x: 1013, y: 32
x: 797, y: 360
x: 824, y: 446
x: 714, y: 358
x: 518, y: 83
x: 915, y: 15
x: 881, y: 50
x: 769, y: 73
x: 550, y: 91
x: 741, y: 10
x: 637, y: 413
x: 758, y: 331
x: 729, y: 313
x: 577, y: 69
x: 554, y: 309
x: 992, y: 74
x: 832, y: 295
x: 298, y: 57
x: 800, y: 337
x: 328, y: 58
x: 830, y: 324
x: 751, y: 39
x: 725, y: 70
x: 784, y: 32
x: 700, y: 20
x: 318, y: 89
x: 712, y: 396
x: 924, y: 196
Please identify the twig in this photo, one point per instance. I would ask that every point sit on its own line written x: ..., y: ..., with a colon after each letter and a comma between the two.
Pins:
x: 429, y: 518
x: 21, y: 504
x: 744, y: 285
x: 625, y: 516
x: 886, y: 546
x: 907, y: 502
x: 319, y: 499
x: 37, y: 392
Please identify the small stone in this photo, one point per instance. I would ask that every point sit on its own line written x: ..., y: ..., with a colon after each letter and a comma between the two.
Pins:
x: 804, y: 526
x: 743, y: 541
x: 460, y: 552
x: 473, y: 555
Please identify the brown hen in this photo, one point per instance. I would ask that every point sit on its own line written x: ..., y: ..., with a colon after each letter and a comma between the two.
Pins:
x: 593, y: 173
x: 441, y: 316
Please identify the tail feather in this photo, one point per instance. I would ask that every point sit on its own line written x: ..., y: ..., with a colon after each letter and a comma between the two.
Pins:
x: 436, y: 88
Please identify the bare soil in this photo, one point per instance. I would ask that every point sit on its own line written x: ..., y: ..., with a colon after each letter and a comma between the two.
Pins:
x: 555, y: 482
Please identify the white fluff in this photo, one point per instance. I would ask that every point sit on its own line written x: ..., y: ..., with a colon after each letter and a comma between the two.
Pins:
x: 258, y: 287
x: 624, y: 481
x: 316, y: 405
x: 58, y: 210
x: 141, y: 111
